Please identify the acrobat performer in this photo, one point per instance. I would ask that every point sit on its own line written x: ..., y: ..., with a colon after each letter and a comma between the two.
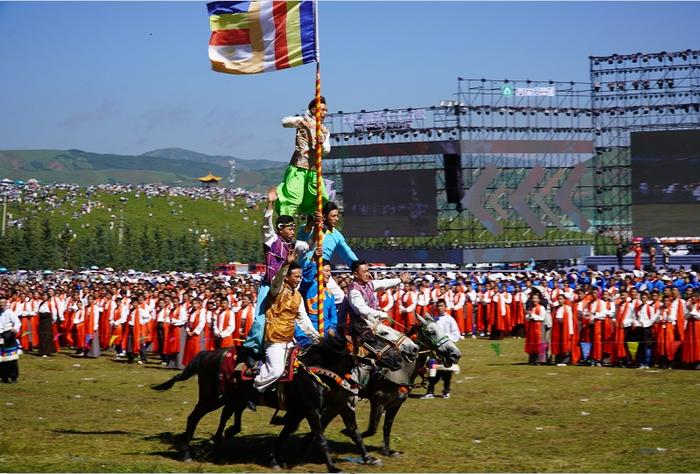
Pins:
x: 296, y: 195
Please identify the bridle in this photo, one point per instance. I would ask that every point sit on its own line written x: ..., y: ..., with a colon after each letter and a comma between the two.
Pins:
x: 395, y: 344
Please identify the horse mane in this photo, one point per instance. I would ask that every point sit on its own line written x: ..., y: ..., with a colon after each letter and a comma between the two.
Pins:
x: 329, y: 351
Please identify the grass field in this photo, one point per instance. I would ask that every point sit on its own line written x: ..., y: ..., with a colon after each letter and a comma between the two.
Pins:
x: 74, y: 415
x: 171, y: 214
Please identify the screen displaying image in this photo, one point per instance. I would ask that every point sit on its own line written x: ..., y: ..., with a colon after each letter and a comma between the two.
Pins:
x: 389, y: 203
x: 666, y: 183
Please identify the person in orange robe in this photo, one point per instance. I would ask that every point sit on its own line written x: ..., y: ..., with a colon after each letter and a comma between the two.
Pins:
x: 195, y: 325
x: 90, y: 343
x: 519, y: 301
x: 225, y: 324
x: 386, y: 304
x: 602, y: 314
x: 564, y: 332
x: 104, y: 332
x: 407, y: 305
x: 174, y: 343
x: 535, y: 325
x: 691, y: 345
x: 459, y: 302
x: 678, y: 308
x: 665, y: 334
x: 244, y: 319
x: 118, y: 322
x: 584, y: 325
x: 210, y: 310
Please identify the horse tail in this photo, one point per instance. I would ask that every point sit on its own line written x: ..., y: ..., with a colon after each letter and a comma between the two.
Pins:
x: 191, y: 369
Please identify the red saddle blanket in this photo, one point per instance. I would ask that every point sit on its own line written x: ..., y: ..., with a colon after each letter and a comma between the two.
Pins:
x: 229, y: 369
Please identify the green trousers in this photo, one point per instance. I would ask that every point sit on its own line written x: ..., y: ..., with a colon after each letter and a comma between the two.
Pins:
x: 296, y: 195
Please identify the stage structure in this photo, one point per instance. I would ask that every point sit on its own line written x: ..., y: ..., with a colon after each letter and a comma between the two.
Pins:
x: 509, y: 162
x: 637, y: 92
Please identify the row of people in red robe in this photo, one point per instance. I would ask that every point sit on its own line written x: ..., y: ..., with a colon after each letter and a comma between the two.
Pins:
x: 132, y: 324
x: 620, y: 328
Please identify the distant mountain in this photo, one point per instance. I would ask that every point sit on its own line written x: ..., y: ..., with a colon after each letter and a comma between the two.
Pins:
x: 168, y: 166
x: 223, y: 160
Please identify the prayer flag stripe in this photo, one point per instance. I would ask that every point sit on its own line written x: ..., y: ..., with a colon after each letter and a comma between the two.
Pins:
x: 233, y: 21
x: 229, y: 37
x: 294, y: 56
x: 308, y: 31
x: 220, y: 8
x: 279, y: 15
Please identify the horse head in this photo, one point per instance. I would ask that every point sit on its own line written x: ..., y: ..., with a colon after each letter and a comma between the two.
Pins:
x: 432, y: 336
x: 406, y: 347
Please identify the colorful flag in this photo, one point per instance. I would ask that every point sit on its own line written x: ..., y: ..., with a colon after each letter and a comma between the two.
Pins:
x: 261, y: 36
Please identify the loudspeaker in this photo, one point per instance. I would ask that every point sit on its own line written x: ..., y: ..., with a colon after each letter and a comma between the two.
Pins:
x: 454, y: 182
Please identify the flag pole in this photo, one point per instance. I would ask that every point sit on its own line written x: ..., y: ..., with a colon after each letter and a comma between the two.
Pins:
x: 319, y: 179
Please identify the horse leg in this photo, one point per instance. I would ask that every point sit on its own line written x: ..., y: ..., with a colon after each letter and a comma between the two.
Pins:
x: 232, y: 431
x: 347, y: 412
x: 375, y: 414
x: 225, y: 415
x: 198, y: 412
x: 314, y: 419
x: 391, y: 412
x: 327, y: 416
x: 291, y: 425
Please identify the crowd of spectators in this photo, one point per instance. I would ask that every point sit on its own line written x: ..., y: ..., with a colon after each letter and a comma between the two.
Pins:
x: 615, y: 317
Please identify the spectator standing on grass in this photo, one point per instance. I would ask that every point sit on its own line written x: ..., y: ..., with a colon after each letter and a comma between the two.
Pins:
x: 535, y: 331
x: 449, y: 325
x: 10, y: 327
x: 691, y: 333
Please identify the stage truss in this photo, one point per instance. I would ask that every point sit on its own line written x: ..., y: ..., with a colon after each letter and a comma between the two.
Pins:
x: 635, y: 92
x: 486, y: 116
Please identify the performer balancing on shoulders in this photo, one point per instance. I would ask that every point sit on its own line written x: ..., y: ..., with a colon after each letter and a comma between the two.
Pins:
x: 278, y: 243
x: 297, y: 192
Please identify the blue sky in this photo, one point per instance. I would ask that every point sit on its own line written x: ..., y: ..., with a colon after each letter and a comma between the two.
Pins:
x: 131, y: 77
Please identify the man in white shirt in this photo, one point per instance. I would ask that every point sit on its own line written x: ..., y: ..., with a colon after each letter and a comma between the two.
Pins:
x: 449, y: 325
x: 362, y: 295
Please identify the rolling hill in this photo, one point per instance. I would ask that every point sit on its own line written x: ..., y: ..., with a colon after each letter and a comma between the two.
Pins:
x: 172, y: 166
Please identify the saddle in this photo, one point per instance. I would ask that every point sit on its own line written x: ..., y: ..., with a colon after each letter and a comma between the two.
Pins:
x: 287, y: 375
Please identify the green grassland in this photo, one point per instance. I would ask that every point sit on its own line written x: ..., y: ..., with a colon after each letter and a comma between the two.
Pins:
x: 71, y: 414
x: 174, y: 215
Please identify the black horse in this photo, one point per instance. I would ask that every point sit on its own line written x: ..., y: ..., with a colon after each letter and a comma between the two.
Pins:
x: 320, y: 381
x: 388, y: 389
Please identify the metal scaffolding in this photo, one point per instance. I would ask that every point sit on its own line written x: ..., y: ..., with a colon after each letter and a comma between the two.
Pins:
x: 630, y: 93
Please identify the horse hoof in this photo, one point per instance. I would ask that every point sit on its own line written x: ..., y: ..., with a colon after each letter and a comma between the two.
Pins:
x: 187, y: 458
x: 390, y: 453
x: 346, y: 432
x: 372, y: 461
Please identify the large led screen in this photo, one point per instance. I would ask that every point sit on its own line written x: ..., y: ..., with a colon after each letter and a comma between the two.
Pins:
x: 666, y: 183
x: 389, y: 203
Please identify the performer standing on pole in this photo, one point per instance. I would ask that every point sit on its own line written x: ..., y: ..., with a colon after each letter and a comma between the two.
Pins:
x: 297, y: 194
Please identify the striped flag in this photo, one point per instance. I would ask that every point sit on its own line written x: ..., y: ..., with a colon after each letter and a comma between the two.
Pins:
x: 261, y: 36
